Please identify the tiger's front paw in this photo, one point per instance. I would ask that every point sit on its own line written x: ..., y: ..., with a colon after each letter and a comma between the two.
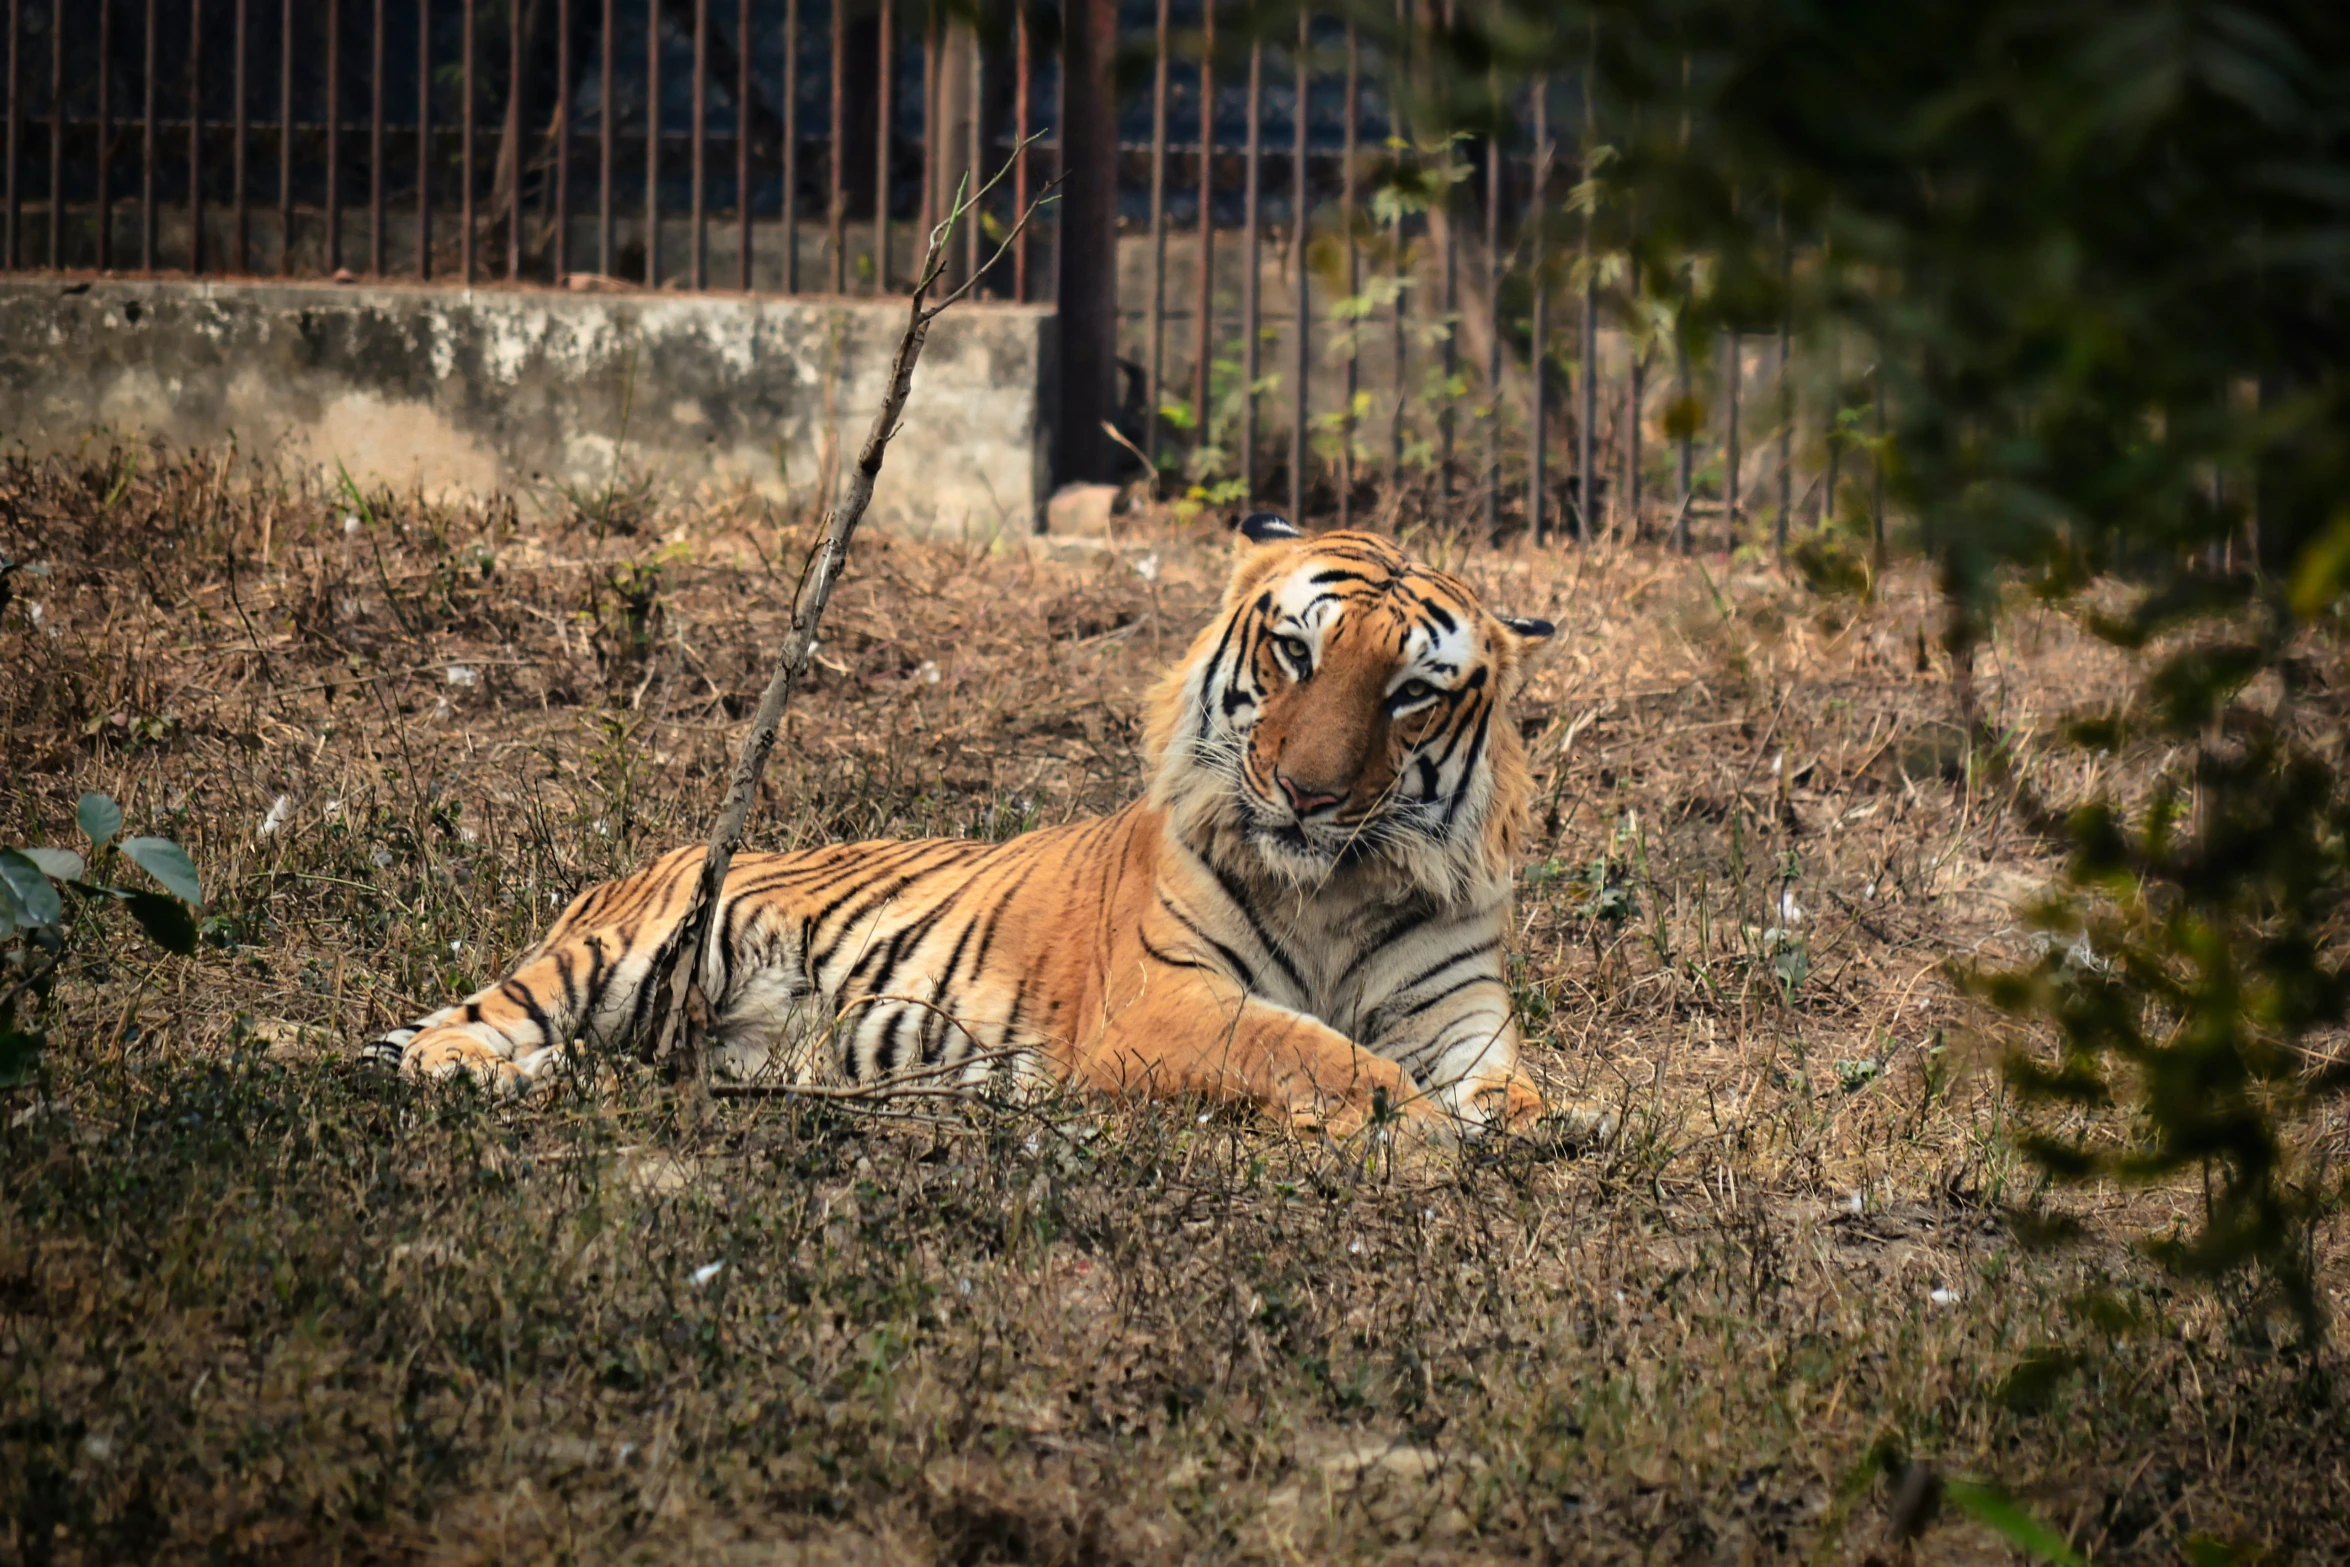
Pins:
x: 444, y: 1052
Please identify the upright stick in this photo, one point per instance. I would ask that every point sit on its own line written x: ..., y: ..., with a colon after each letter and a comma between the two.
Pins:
x: 683, y: 989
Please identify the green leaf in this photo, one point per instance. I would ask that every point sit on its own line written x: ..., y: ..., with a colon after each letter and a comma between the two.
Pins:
x: 1998, y: 1512
x: 166, y: 921
x: 57, y: 864
x: 100, y: 817
x: 168, y: 863
x: 37, y: 902
x: 10, y: 915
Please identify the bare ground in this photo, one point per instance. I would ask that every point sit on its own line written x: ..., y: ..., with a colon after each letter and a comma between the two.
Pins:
x: 258, y: 1303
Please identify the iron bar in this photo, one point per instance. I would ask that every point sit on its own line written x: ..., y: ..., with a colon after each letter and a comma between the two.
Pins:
x: 16, y: 121
x: 105, y: 135
x: 932, y: 150
x: 375, y: 146
x: 1538, y: 334
x: 517, y: 134
x: 1157, y: 349
x: 243, y: 221
x: 742, y: 145
x: 1202, y: 360
x: 836, y: 210
x: 974, y: 166
x: 883, y: 115
x: 1587, y: 513
x: 1449, y: 210
x: 1354, y: 274
x: 465, y: 157
x: 196, y: 136
x: 1734, y: 377
x: 791, y: 147
x: 423, y: 135
x: 1877, y: 469
x: 1684, y: 457
x: 607, y: 121
x: 563, y: 130
x: 1833, y: 435
x: 1252, y: 268
x: 1398, y: 280
x: 146, y: 143
x: 1021, y: 91
x: 1786, y: 462
x: 1635, y: 428
x: 334, y: 129
x: 1302, y: 338
x: 1493, y: 268
x: 701, y: 145
x: 652, y: 143
x: 56, y: 138
x: 285, y: 140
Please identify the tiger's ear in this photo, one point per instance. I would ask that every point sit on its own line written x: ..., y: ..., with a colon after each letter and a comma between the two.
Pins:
x: 1265, y: 527
x: 1532, y: 630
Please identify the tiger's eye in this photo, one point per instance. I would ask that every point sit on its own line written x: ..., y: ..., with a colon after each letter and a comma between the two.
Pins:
x: 1413, y: 691
x: 1295, y: 651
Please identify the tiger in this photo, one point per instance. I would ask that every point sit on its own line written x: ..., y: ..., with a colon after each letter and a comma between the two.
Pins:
x: 1305, y: 911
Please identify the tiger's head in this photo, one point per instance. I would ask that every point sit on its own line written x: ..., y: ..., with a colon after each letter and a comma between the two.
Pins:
x: 1347, y: 712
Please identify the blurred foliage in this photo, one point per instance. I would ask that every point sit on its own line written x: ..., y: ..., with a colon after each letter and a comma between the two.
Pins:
x: 2099, y: 251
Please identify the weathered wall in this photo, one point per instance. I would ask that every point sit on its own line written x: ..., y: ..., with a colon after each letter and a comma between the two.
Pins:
x: 537, y: 391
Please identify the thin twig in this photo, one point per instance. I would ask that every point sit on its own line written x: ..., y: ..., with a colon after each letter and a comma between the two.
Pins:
x: 677, y: 1019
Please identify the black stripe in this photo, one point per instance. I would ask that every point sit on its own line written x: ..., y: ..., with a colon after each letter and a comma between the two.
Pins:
x: 1434, y: 969
x: 1469, y: 768
x: 1238, y: 965
x: 529, y: 1003
x: 1451, y: 990
x: 1239, y: 896
x: 1151, y: 949
x: 1403, y: 926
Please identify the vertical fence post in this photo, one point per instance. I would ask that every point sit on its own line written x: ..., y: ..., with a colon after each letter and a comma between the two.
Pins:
x: 1202, y: 384
x: 742, y: 145
x: 105, y: 135
x: 607, y: 126
x: 1833, y: 436
x: 1877, y: 467
x: 1303, y: 339
x: 563, y: 131
x: 1493, y: 320
x: 334, y: 132
x: 701, y: 136
x: 1021, y: 92
x: 1635, y: 413
x: 1733, y: 382
x: 1087, y: 275
x: 16, y: 120
x: 1404, y: 17
x: 884, y: 112
x: 243, y: 222
x: 196, y: 136
x: 465, y: 155
x: 1449, y: 209
x: 1252, y: 270
x: 423, y: 134
x: 1587, y: 512
x: 836, y: 210
x: 975, y: 164
x: 1538, y: 334
x: 285, y: 140
x: 653, y: 143
x: 933, y: 144
x: 516, y: 138
x: 1684, y: 456
x: 1157, y: 329
x: 791, y: 146
x: 1786, y: 462
x: 56, y: 138
x: 146, y: 143
x: 375, y: 146
x: 1354, y: 275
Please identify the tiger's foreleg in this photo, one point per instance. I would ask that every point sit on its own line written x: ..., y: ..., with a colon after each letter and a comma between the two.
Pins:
x: 1185, y: 1031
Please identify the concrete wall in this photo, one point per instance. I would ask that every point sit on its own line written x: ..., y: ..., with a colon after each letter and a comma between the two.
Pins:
x: 540, y: 391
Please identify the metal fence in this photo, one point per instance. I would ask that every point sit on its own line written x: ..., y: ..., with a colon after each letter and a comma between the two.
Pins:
x: 1273, y: 326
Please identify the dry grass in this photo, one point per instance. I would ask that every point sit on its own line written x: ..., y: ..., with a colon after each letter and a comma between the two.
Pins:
x: 259, y: 1304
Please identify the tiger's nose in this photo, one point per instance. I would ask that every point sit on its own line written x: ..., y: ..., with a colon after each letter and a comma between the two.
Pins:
x: 1302, y: 801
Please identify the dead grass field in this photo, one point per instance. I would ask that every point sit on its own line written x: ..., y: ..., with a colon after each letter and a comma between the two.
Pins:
x: 260, y: 1304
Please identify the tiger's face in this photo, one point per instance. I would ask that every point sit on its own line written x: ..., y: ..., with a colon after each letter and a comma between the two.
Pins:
x: 1349, y: 708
